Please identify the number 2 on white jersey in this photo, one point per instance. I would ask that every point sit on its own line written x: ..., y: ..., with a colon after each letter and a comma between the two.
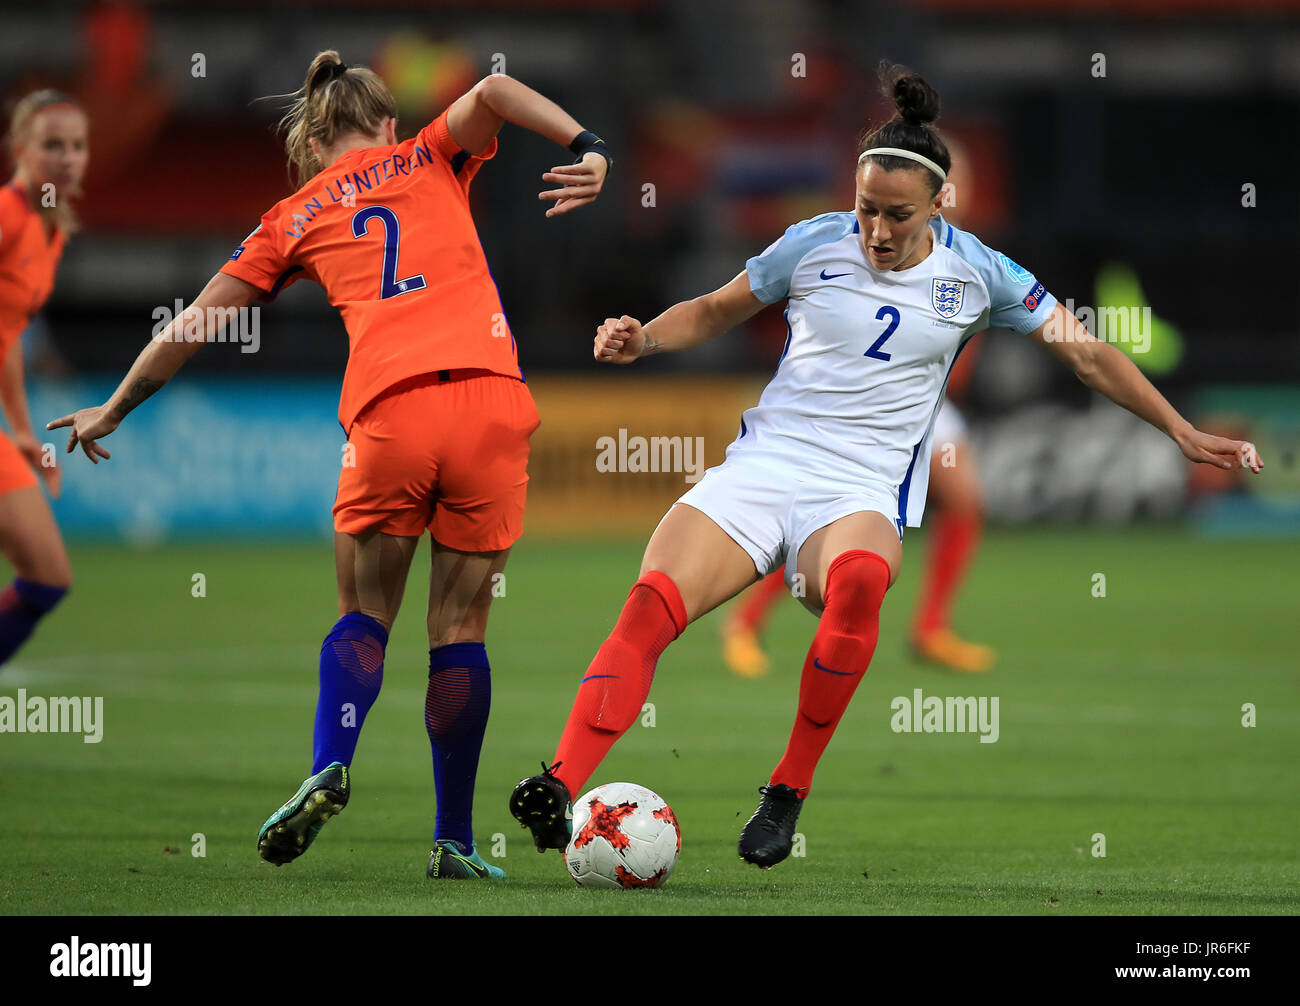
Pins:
x: 885, y: 312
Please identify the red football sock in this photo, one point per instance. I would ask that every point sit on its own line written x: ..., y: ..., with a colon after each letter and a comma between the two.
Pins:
x: 837, y: 660
x: 757, y: 603
x: 616, y: 684
x: 952, y: 545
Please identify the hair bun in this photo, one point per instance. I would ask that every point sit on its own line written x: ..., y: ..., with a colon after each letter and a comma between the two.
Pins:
x: 909, y: 129
x: 327, y: 66
x: 917, y: 101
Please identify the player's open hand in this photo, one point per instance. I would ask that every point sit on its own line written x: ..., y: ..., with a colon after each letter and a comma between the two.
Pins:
x: 88, y: 425
x: 1219, y: 451
x: 47, y: 468
x: 619, y: 340
x: 579, y: 183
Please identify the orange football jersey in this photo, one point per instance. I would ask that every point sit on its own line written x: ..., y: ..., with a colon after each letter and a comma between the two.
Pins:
x: 387, y: 232
x: 28, y: 259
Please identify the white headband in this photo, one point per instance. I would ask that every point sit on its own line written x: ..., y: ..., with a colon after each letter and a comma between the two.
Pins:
x: 911, y: 156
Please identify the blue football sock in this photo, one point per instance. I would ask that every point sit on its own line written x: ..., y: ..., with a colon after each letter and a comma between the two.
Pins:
x: 22, y: 604
x: 455, y: 715
x: 351, y: 671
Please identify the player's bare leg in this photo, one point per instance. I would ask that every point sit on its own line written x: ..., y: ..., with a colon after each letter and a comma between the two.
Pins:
x: 705, y: 563
x: 458, y: 700
x: 848, y: 566
x: 461, y: 588
x: 30, y: 540
x: 954, y: 537
x: 690, y: 567
x: 371, y: 569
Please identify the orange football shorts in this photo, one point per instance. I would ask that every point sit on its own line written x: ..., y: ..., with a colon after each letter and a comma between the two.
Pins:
x: 445, y: 451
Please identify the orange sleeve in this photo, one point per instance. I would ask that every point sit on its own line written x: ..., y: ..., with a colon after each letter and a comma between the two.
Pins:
x: 261, y: 259
x: 464, y: 165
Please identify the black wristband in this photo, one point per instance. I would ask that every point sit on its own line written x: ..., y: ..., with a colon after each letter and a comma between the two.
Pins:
x: 588, y: 142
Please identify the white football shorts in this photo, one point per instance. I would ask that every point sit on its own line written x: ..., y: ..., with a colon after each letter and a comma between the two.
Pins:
x: 769, y: 505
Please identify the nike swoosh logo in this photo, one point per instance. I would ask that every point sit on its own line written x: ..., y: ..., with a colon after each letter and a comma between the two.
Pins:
x: 818, y: 664
x: 836, y: 275
x: 590, y: 677
x: 478, y: 871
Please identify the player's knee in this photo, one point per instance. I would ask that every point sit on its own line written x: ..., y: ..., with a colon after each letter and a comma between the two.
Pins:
x: 967, y: 505
x: 49, y: 566
x: 658, y: 584
x: 58, y: 571
x: 856, y: 582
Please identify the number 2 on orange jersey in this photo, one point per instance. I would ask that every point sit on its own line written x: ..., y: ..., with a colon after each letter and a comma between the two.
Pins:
x: 389, y: 284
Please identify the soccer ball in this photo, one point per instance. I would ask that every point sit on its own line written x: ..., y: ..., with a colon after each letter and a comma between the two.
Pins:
x: 623, y: 836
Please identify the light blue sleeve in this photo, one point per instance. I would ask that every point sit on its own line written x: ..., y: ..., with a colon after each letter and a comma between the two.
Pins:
x: 769, y: 273
x: 1016, y: 299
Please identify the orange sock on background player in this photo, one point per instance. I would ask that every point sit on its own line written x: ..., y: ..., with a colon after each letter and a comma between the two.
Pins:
x: 616, y: 684
x: 837, y: 660
x: 757, y: 603
x: 952, y: 545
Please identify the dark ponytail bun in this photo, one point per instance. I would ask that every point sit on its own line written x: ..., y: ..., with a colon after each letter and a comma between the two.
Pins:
x: 917, y: 101
x: 917, y: 105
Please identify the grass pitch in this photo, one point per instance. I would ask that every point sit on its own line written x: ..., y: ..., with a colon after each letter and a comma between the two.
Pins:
x: 1120, y: 716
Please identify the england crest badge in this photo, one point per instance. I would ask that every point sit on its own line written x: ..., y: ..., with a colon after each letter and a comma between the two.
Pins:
x: 947, y: 296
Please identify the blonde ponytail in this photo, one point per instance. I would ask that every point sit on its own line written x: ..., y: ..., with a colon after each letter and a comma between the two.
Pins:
x: 334, y: 99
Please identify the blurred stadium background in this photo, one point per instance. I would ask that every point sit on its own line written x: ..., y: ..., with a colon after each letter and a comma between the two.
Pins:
x: 1124, y: 189
x: 1123, y: 717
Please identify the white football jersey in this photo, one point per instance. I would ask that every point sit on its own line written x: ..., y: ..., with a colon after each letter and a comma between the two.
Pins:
x: 868, y: 352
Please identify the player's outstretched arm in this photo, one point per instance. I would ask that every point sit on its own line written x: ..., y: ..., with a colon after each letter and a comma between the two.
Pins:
x: 1105, y: 369
x: 201, y: 322
x: 478, y: 115
x: 622, y: 340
